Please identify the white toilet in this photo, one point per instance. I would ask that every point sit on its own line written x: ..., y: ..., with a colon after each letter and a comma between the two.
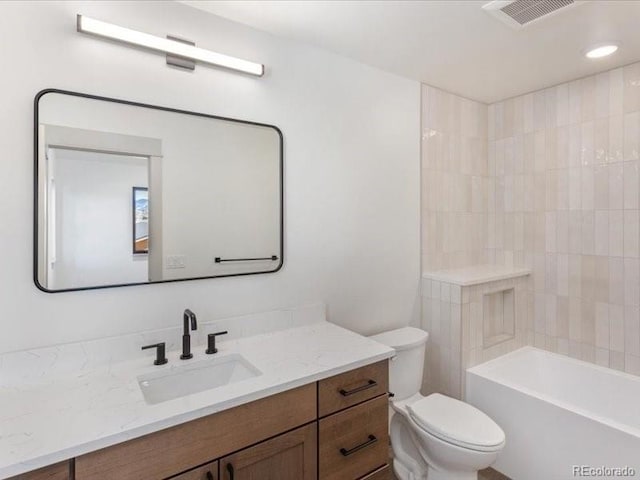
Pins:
x: 434, y: 437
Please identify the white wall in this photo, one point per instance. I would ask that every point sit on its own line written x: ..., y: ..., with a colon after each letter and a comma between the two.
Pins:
x: 351, y: 170
x: 94, y: 219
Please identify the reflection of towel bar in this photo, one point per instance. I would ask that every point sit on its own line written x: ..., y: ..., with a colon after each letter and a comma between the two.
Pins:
x: 220, y: 260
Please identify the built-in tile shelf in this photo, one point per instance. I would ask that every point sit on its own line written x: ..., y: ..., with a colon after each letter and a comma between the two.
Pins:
x: 473, y: 315
x: 476, y: 274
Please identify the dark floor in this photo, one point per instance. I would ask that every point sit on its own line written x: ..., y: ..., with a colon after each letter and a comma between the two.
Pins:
x: 491, y: 474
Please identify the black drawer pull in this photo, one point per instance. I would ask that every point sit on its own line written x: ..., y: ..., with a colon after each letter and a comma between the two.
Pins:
x: 209, y: 476
x: 371, y: 441
x: 231, y: 471
x: 369, y: 384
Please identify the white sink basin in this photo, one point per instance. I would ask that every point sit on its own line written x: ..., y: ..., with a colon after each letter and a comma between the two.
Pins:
x: 196, y: 377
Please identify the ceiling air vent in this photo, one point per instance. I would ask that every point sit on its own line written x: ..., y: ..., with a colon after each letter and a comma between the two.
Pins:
x: 519, y: 13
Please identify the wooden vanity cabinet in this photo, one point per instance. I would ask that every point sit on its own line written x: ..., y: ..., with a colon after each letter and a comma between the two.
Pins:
x: 334, y: 429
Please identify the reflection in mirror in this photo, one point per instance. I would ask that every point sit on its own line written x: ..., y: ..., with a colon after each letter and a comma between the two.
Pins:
x: 130, y: 194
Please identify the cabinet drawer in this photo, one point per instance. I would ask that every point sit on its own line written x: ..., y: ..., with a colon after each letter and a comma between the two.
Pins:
x: 59, y: 471
x: 353, y: 387
x: 355, y: 441
x: 383, y: 473
x: 205, y: 472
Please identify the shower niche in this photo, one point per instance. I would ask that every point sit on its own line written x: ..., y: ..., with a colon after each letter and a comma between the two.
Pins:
x: 498, y: 317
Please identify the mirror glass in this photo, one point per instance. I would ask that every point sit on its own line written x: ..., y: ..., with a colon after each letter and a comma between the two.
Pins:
x: 130, y: 194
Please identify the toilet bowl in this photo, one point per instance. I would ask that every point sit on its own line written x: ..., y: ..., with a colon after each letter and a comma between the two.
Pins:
x: 435, y: 437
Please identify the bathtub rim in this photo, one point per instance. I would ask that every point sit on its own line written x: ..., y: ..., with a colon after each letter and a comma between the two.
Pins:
x: 486, y: 371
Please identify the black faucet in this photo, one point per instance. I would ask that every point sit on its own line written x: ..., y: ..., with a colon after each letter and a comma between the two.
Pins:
x: 186, y: 337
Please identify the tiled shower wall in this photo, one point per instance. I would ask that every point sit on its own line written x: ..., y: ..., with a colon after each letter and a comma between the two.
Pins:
x: 454, y: 180
x: 555, y: 189
x: 563, y: 200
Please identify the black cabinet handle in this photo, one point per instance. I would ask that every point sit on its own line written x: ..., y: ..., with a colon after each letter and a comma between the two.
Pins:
x: 371, y: 441
x: 231, y: 471
x: 369, y: 384
x: 210, y: 476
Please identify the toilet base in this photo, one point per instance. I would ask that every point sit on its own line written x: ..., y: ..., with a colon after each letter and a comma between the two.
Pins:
x: 418, y: 455
x: 438, y: 475
x: 403, y: 473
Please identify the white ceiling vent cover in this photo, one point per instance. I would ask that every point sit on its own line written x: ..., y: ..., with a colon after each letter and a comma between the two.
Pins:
x: 519, y: 13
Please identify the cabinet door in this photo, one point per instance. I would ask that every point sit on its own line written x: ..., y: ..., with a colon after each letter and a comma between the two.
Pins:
x: 290, y: 456
x: 205, y: 472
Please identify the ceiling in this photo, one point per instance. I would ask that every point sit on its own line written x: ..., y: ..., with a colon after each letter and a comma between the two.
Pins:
x: 452, y: 44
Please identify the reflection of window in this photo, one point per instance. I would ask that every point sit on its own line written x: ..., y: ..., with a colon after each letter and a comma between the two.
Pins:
x: 140, y: 220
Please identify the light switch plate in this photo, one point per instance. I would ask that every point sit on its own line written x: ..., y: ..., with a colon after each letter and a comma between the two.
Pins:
x: 176, y: 261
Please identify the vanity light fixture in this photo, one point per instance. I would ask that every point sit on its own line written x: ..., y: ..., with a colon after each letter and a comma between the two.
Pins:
x: 602, y: 50
x: 170, y: 47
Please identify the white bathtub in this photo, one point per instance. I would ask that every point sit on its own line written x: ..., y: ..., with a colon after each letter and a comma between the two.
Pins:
x: 558, y: 414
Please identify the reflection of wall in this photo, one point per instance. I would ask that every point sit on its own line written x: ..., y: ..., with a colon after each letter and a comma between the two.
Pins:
x: 220, y: 182
x: 220, y: 197
x: 94, y: 219
x: 351, y: 166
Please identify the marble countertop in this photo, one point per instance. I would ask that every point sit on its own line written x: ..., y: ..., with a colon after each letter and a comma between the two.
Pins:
x: 52, y: 414
x: 476, y: 274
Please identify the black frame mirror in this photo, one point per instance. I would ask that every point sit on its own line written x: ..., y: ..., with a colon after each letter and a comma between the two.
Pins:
x: 274, y: 259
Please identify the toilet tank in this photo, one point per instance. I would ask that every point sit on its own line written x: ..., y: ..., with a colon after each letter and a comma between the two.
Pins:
x: 405, y: 369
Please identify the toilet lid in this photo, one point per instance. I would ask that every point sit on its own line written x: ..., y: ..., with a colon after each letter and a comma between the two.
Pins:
x: 456, y: 422
x: 402, y: 338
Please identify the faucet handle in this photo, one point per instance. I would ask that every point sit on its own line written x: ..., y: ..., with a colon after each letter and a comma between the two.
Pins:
x: 211, y: 342
x: 161, y: 357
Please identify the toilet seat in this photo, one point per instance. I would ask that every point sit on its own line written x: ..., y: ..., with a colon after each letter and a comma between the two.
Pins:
x: 456, y: 422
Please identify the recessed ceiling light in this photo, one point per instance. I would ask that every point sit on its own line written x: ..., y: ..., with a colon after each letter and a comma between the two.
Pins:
x: 601, y: 50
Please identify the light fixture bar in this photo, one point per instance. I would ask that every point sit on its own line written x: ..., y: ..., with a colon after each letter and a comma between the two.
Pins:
x: 145, y: 40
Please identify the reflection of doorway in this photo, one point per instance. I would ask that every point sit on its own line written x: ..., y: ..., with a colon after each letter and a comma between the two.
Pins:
x: 93, y: 151
x: 90, y: 218
x: 140, y: 212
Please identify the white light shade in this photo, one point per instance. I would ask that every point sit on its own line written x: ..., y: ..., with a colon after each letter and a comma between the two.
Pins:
x: 133, y: 37
x: 601, y: 51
